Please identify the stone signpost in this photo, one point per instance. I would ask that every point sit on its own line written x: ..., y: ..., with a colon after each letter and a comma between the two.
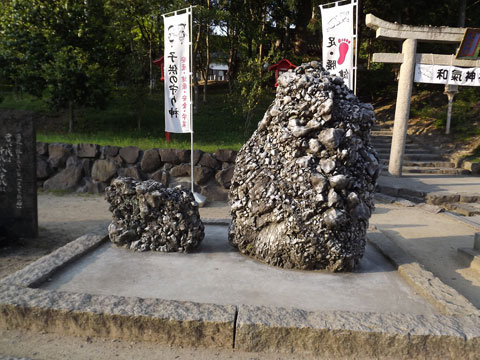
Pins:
x: 410, y: 35
x: 18, y: 184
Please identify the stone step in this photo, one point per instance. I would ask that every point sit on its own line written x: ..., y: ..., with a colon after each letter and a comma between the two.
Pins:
x: 431, y: 164
x: 386, y: 140
x: 411, y: 151
x: 434, y: 170
x: 410, y: 194
x: 466, y: 204
x: 466, y: 209
x: 414, y: 157
x: 381, y: 133
x: 383, y: 137
x: 429, y: 170
x: 386, y: 147
x: 445, y: 197
x: 417, y: 160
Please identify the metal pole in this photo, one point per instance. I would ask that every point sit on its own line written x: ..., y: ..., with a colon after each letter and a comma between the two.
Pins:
x: 449, y: 114
x: 191, y: 95
x: 356, y: 47
x: 335, y: 3
x: 175, y: 12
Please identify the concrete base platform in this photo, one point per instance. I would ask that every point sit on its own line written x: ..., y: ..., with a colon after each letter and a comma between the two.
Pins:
x: 218, y: 274
x: 219, y: 298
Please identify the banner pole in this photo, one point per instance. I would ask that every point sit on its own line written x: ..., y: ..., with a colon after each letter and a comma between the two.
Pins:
x: 191, y: 94
x: 356, y: 47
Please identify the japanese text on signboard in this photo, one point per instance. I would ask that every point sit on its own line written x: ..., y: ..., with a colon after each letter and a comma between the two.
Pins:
x: 452, y: 75
x: 337, y: 28
x: 177, y: 74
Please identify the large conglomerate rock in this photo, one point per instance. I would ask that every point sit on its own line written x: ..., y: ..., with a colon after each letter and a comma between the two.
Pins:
x: 149, y: 216
x: 302, y: 190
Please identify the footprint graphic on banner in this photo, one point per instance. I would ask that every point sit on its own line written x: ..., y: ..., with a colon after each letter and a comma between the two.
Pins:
x: 343, y: 50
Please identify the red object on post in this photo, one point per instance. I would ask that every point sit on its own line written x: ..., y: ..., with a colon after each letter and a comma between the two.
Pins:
x: 281, y: 67
x: 159, y: 63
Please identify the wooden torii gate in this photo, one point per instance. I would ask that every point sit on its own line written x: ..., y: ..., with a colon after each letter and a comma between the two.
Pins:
x: 410, y: 35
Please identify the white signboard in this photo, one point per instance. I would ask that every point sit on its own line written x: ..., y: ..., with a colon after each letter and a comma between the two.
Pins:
x: 177, y: 74
x: 338, y: 43
x: 444, y: 74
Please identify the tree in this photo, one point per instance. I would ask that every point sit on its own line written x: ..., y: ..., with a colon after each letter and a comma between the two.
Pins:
x: 252, y: 84
x: 137, y: 31
x: 58, y: 50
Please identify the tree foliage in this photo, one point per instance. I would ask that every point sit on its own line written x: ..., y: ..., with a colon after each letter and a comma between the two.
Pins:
x: 73, y: 53
x: 57, y: 49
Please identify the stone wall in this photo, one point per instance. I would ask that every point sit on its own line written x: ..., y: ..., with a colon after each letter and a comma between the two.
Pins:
x: 90, y: 168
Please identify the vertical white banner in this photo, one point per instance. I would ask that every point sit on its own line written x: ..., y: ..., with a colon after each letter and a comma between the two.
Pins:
x: 177, y: 73
x: 338, y: 40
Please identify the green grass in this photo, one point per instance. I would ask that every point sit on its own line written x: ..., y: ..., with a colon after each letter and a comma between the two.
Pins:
x: 465, y: 121
x: 465, y: 112
x: 474, y: 156
x: 12, y: 100
x: 216, y: 125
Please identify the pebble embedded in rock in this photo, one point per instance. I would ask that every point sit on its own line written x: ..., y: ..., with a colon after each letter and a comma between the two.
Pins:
x: 302, y: 190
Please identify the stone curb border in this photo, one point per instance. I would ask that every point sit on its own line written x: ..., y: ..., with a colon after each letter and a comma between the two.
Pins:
x: 433, y: 197
x: 463, y: 220
x: 444, y: 298
x: 157, y: 320
x: 244, y: 327
x: 356, y: 335
x: 39, y: 271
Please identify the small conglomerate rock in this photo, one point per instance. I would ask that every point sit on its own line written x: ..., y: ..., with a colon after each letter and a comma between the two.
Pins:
x: 149, y: 216
x: 302, y: 190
